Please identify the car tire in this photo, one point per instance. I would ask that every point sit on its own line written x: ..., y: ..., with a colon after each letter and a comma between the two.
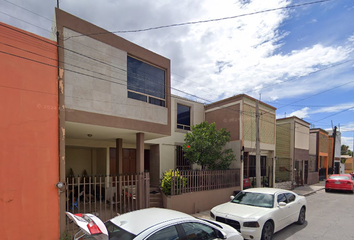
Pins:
x: 267, y: 231
x: 327, y: 190
x: 302, y: 216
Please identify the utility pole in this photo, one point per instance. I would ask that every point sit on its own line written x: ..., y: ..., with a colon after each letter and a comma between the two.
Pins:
x: 334, y: 146
x: 258, y: 150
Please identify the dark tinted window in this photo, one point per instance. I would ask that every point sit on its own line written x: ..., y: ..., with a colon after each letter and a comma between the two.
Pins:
x: 199, y: 231
x: 115, y: 232
x: 183, y: 117
x: 282, y: 198
x: 169, y: 233
x: 137, y: 96
x: 156, y: 101
x: 290, y: 197
x: 145, y: 78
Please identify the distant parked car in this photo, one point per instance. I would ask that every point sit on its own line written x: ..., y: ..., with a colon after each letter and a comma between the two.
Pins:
x: 257, y: 213
x: 340, y: 182
x: 151, y: 224
x: 246, y: 183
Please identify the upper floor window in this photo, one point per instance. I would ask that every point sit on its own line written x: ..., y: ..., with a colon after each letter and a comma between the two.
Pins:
x: 145, y: 82
x: 183, y: 117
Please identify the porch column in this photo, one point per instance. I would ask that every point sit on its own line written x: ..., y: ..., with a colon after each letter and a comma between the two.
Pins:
x: 119, y: 156
x: 140, y: 152
x: 273, y: 169
x: 140, y: 167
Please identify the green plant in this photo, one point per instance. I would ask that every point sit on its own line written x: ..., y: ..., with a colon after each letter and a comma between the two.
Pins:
x: 167, y: 179
x: 65, y: 236
x: 205, y: 146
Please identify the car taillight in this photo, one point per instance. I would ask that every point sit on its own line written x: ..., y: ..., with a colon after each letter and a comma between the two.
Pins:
x: 349, y: 183
x: 93, y: 228
x: 78, y: 214
x: 327, y: 182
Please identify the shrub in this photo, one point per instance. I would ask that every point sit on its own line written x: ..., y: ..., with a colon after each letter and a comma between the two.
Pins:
x: 166, y: 181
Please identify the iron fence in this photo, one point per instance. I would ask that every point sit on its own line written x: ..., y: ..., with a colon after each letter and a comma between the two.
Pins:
x: 194, y: 181
x: 106, y: 196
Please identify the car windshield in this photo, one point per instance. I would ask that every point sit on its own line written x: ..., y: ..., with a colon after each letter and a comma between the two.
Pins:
x: 254, y: 199
x: 339, y: 177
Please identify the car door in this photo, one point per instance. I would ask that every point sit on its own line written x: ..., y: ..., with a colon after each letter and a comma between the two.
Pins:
x: 294, y: 207
x: 199, y: 231
x: 168, y: 233
x: 281, y: 213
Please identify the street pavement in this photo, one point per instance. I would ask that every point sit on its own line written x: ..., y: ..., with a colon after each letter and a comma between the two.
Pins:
x: 301, y: 190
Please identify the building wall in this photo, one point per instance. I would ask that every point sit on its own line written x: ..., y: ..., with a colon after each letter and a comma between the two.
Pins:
x: 302, y: 134
x: 95, y: 79
x: 313, y: 144
x: 266, y: 124
x: 29, y: 136
x: 106, y: 92
x: 167, y: 150
x: 227, y: 117
x: 283, y: 142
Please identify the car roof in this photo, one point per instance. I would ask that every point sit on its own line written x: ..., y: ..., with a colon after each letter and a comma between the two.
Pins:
x: 137, y: 221
x: 266, y: 190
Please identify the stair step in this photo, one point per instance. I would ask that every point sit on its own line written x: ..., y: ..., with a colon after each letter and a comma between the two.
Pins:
x: 155, y: 197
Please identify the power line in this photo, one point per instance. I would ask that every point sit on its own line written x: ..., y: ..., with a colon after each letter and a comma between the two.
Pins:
x: 335, y: 114
x: 206, y: 21
x: 177, y: 74
x: 172, y: 88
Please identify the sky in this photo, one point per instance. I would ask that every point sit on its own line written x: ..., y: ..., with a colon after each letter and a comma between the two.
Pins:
x: 295, y: 56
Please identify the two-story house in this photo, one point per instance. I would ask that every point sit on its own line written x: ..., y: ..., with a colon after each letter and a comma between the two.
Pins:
x: 292, y: 152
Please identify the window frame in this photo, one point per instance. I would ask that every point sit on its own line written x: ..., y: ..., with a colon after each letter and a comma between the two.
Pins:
x: 149, y: 98
x: 184, y: 127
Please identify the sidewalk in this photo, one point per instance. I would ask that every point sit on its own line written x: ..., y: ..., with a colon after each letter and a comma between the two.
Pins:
x: 302, y: 190
x: 309, y: 189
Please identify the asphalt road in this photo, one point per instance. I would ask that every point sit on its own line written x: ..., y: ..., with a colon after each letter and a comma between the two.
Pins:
x: 328, y: 216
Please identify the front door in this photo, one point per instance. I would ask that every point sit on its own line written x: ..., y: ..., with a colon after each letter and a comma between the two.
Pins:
x: 129, y: 161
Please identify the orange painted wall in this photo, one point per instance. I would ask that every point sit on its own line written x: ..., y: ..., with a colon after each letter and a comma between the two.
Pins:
x: 29, y: 167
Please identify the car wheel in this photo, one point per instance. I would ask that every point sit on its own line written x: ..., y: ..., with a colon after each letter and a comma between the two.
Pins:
x: 327, y: 190
x: 302, y: 216
x: 267, y: 231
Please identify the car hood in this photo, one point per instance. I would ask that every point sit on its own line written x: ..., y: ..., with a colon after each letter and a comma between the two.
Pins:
x: 239, y: 211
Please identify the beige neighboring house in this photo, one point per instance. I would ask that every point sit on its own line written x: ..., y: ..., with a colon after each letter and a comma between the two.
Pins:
x: 347, y: 163
x: 238, y: 115
x: 292, y: 151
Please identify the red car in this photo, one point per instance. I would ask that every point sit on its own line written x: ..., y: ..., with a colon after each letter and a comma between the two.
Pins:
x: 246, y: 183
x: 340, y: 182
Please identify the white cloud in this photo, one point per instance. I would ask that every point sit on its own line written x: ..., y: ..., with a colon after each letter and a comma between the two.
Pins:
x: 348, y: 141
x: 336, y: 108
x: 303, y: 113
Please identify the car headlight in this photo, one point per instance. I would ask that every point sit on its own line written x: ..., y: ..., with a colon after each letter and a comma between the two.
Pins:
x: 212, y: 215
x: 251, y: 224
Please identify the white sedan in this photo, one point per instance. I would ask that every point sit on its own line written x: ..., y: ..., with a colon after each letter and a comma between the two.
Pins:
x: 257, y: 213
x: 151, y: 224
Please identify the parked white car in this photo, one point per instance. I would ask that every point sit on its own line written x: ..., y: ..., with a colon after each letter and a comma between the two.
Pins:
x: 151, y: 224
x: 257, y: 213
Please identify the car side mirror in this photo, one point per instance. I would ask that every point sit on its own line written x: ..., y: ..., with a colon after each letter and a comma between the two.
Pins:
x: 232, y: 197
x: 282, y: 204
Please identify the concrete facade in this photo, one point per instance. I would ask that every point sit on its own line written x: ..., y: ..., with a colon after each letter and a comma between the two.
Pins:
x: 292, y: 150
x: 238, y: 115
x: 29, y: 136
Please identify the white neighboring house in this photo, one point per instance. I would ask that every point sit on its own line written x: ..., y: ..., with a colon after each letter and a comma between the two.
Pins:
x: 184, y: 114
